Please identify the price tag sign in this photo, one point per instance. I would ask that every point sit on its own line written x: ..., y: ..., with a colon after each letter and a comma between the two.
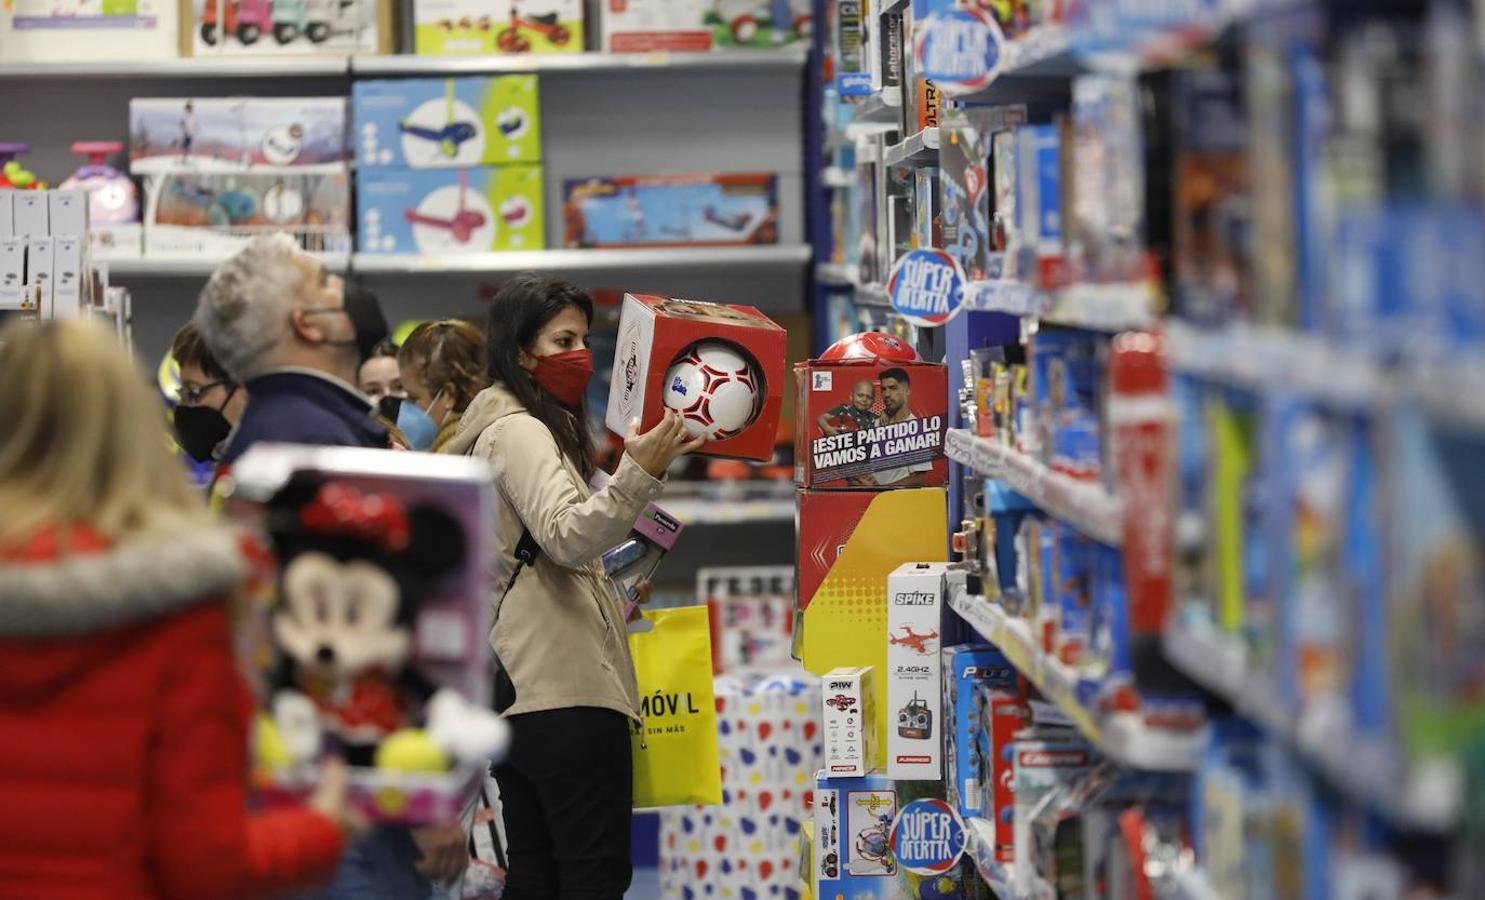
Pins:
x: 960, y: 50
x: 927, y: 286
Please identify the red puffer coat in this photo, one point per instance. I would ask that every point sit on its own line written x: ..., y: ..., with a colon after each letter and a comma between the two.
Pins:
x: 123, y: 730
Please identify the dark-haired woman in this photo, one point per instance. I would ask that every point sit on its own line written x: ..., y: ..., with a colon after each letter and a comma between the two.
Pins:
x: 566, y: 680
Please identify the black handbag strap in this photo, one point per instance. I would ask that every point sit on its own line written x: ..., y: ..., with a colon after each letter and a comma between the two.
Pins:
x: 527, y: 550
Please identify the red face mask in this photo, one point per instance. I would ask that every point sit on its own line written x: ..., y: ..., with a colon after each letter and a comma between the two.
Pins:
x: 565, y: 375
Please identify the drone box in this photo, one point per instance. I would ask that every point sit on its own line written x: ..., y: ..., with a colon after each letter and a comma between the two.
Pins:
x: 446, y: 123
x: 671, y: 210
x: 849, y: 542
x: 871, y: 424
x: 853, y: 827
x: 483, y: 27
x: 192, y: 214
x: 645, y: 26
x: 403, y: 538
x: 447, y: 211
x: 285, y: 27
x: 650, y: 375
x: 915, y: 594
x: 237, y: 134
x: 849, y: 713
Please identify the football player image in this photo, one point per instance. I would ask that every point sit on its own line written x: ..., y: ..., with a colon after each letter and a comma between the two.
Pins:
x: 853, y: 416
x: 897, y: 392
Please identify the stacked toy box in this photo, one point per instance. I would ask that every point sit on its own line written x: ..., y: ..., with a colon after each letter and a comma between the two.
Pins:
x: 448, y: 165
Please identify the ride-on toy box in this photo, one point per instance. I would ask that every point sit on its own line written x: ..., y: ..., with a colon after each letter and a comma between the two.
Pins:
x: 643, y: 26
x: 721, y: 366
x: 285, y: 27
x: 237, y: 134
x: 659, y: 210
x: 480, y: 27
x: 366, y: 635
x: 438, y: 211
x: 446, y: 123
x: 191, y: 213
x: 871, y: 424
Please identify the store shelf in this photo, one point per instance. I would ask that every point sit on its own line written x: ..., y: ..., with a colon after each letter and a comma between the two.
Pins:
x: 195, y: 67
x: 873, y: 295
x: 1084, y: 505
x: 919, y: 150
x: 194, y: 267
x: 881, y: 108
x: 1424, y: 798
x: 1096, y: 307
x: 836, y: 177
x: 838, y: 274
x: 1123, y: 737
x: 585, y: 260
x: 790, y: 57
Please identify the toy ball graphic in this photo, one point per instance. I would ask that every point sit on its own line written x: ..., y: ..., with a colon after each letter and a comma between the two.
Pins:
x: 869, y: 346
x: 715, y: 388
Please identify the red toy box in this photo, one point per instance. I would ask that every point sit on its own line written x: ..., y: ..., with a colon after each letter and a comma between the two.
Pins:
x: 871, y: 424
x: 721, y: 366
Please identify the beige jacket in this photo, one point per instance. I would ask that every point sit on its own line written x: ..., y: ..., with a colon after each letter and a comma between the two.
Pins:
x: 560, y: 633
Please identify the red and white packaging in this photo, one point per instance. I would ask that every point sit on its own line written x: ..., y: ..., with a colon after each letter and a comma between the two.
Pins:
x: 915, y: 593
x: 871, y: 424
x: 669, y: 354
x: 1141, y: 416
x: 848, y: 708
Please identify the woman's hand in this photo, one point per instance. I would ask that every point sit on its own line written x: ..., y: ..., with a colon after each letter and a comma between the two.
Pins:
x: 642, y: 591
x: 444, y: 850
x: 329, y: 799
x: 662, y: 445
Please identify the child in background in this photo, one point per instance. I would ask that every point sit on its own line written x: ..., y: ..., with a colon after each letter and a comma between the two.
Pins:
x: 123, y: 719
x: 443, y: 368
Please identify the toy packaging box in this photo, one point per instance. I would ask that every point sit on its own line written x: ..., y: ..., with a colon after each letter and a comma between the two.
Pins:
x: 849, y: 713
x: 446, y: 123
x: 446, y: 211
x: 849, y: 542
x: 721, y: 366
x: 665, y: 210
x: 871, y: 424
x: 189, y: 213
x: 1041, y: 766
x: 638, y: 557
x: 285, y: 27
x: 644, y: 26
x: 78, y: 31
x: 237, y: 134
x: 915, y: 593
x: 853, y: 826
x: 966, y: 668
x: 964, y: 154
x: 366, y: 628
x: 483, y: 27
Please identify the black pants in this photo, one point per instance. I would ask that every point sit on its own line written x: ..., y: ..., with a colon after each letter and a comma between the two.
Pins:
x: 567, y: 792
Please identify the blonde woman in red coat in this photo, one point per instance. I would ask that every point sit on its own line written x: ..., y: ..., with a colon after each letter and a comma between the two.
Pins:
x: 123, y: 720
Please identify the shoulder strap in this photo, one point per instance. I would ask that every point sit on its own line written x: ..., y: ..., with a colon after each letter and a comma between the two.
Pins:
x: 526, y: 552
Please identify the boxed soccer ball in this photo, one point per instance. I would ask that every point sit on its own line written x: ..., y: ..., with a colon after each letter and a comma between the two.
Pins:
x: 721, y: 366
x: 871, y: 423
x: 446, y: 123
x: 446, y: 211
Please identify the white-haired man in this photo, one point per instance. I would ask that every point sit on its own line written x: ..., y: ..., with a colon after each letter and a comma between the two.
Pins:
x: 290, y: 331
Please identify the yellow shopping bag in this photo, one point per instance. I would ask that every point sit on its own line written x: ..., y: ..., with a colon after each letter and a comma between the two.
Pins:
x: 675, y: 753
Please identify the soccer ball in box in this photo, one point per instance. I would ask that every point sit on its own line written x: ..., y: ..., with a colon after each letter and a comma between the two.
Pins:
x: 720, y: 366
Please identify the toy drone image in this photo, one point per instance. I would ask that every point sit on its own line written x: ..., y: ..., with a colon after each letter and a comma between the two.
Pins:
x: 461, y: 225
x: 918, y: 643
x: 915, y: 721
x: 510, y: 39
x: 841, y: 702
x: 452, y: 135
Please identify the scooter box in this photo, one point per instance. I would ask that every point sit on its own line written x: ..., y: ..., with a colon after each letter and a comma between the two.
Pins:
x: 447, y: 211
x: 237, y: 134
x: 446, y: 123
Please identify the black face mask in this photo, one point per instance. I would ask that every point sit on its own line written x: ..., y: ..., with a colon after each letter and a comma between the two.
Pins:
x: 389, y: 407
x: 365, y: 313
x: 200, y: 429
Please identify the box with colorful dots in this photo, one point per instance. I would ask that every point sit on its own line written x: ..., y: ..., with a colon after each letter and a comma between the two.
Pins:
x: 446, y: 123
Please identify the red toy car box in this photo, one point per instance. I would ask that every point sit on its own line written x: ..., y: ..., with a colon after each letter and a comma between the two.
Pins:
x: 871, y: 424
x: 721, y: 366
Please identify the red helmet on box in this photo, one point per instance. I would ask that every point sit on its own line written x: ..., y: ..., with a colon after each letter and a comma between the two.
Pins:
x: 870, y: 346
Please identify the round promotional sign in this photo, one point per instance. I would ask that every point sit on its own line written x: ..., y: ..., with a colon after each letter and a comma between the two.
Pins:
x: 928, y: 837
x: 959, y: 50
x: 927, y: 286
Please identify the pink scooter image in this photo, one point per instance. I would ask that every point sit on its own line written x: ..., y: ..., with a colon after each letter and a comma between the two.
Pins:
x: 461, y: 225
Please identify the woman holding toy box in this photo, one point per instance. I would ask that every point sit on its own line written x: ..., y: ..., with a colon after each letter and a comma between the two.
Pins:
x: 566, y: 680
x: 123, y: 719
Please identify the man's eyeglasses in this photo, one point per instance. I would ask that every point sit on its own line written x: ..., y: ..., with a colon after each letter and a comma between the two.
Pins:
x: 187, y: 396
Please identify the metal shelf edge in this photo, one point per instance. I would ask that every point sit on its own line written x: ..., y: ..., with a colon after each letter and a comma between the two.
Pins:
x: 793, y: 56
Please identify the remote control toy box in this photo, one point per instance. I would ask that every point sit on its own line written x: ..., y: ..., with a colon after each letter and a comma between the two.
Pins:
x: 720, y: 366
x: 450, y: 210
x: 366, y: 636
x: 446, y: 123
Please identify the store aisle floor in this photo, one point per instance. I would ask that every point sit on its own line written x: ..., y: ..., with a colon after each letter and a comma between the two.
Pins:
x: 645, y: 886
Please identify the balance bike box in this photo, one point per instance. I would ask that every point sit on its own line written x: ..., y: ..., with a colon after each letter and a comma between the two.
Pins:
x: 671, y: 210
x: 446, y: 123
x: 645, y: 26
x: 848, y: 707
x: 448, y: 211
x: 915, y: 593
x: 721, y: 366
x: 285, y: 27
x: 853, y: 837
x: 231, y: 135
x: 483, y: 27
x: 366, y: 628
x: 871, y: 424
